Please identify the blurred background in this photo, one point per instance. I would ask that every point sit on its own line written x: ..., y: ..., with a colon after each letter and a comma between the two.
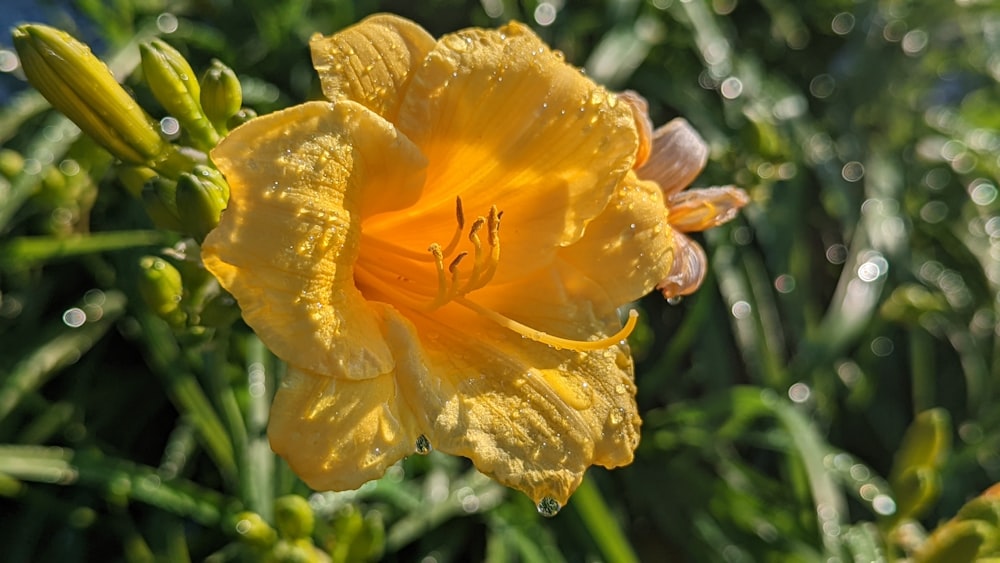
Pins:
x: 830, y: 394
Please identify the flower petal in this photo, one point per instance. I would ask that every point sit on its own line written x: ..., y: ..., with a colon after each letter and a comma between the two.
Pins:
x: 505, y: 121
x: 687, y: 270
x: 300, y: 180
x: 371, y: 62
x: 338, y: 433
x: 531, y: 416
x: 702, y: 209
x: 643, y: 125
x: 679, y: 154
x: 628, y: 248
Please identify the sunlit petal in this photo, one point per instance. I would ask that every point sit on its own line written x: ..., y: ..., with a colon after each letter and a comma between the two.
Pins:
x: 702, y: 209
x: 687, y: 269
x: 338, y: 433
x: 627, y: 249
x: 286, y: 245
x: 679, y: 154
x: 371, y: 62
x: 529, y: 415
x: 504, y: 121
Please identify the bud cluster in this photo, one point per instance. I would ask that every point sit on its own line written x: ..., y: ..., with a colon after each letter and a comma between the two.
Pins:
x: 168, y: 171
x: 176, y: 182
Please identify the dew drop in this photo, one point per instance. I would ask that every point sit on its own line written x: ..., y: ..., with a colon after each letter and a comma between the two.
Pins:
x: 674, y: 300
x: 548, y: 507
x: 616, y: 416
x: 423, y: 445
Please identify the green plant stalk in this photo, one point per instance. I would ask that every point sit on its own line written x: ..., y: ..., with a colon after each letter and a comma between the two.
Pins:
x: 601, y: 524
x: 224, y: 399
x: 64, y: 466
x: 258, y: 452
x: 28, y: 251
x: 187, y: 395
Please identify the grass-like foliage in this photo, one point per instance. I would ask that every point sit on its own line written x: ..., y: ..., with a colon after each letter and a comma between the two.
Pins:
x: 831, y: 393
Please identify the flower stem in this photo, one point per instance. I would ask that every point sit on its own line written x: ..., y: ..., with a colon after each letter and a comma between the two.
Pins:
x: 599, y: 521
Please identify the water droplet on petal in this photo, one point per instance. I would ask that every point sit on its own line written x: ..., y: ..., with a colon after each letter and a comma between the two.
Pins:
x: 548, y: 507
x: 675, y: 300
x: 423, y: 445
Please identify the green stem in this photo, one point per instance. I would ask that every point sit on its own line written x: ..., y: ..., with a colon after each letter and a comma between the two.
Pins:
x: 23, y: 251
x: 601, y: 524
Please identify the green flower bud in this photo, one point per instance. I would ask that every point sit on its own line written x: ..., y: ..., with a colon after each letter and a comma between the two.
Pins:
x: 955, y: 541
x: 174, y: 85
x: 253, y: 530
x: 200, y: 201
x: 221, y: 95
x: 241, y: 117
x: 79, y: 85
x: 926, y: 443
x: 11, y: 163
x: 134, y: 178
x: 161, y: 288
x: 158, y: 196
x: 293, y: 517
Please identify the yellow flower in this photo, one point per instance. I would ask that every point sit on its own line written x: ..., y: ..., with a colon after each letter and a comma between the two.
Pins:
x: 672, y: 157
x: 439, y: 253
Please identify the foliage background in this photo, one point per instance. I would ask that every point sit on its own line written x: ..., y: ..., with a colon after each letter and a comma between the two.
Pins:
x: 858, y: 290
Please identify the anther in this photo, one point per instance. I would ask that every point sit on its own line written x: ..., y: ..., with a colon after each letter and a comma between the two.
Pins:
x: 460, y: 225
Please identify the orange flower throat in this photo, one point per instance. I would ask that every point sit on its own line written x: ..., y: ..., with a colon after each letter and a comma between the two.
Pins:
x: 401, y: 277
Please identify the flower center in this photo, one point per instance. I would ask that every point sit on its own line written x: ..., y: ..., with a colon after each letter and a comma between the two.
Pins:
x: 403, y: 277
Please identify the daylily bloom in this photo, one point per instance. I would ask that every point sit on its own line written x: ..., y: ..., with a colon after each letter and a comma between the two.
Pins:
x: 439, y: 252
x: 672, y: 157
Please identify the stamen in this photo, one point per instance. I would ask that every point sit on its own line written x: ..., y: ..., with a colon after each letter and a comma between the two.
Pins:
x: 453, y: 268
x: 494, y: 240
x: 442, y: 292
x: 477, y: 262
x: 457, y: 235
x: 554, y: 341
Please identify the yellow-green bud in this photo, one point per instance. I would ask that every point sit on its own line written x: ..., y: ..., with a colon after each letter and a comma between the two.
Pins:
x: 954, y: 541
x: 925, y: 444
x: 134, y: 178
x: 158, y: 198
x: 79, y: 85
x: 221, y: 95
x: 11, y: 163
x: 175, y: 86
x: 241, y: 117
x: 161, y: 288
x: 253, y: 530
x: 200, y: 202
x: 293, y: 517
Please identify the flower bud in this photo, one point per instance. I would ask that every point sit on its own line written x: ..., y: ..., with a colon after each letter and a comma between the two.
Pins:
x: 254, y: 530
x: 79, y: 85
x: 11, y: 163
x: 161, y: 288
x: 174, y: 85
x: 159, y: 198
x: 241, y: 117
x: 134, y: 178
x: 293, y: 517
x: 200, y: 200
x: 221, y: 95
